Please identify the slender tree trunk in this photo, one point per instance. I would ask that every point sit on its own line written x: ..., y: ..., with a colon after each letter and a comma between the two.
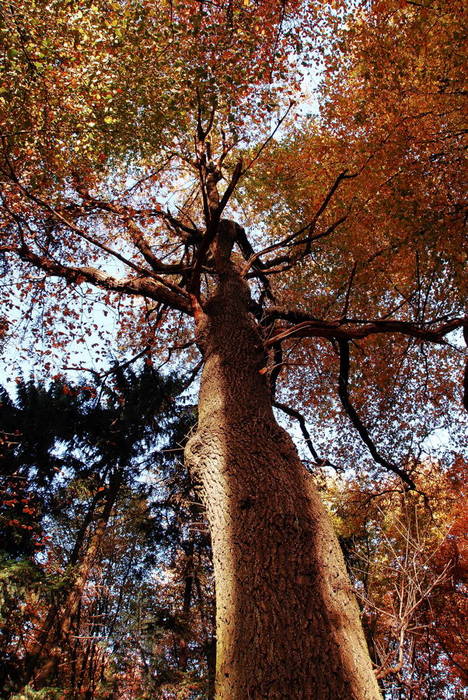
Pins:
x: 46, y: 656
x: 287, y: 621
x: 186, y: 605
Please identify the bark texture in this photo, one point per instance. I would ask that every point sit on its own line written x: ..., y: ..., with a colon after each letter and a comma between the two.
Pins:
x: 287, y: 622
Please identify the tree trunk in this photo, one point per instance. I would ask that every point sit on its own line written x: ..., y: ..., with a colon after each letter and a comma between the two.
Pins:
x: 187, y: 602
x: 48, y: 651
x: 287, y: 622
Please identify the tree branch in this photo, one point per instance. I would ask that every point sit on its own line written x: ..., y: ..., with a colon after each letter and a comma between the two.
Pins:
x: 140, y: 286
x: 267, y: 141
x: 289, y: 242
x: 136, y: 234
x: 212, y: 229
x: 343, y: 391
x: 354, y: 329
x: 319, y: 462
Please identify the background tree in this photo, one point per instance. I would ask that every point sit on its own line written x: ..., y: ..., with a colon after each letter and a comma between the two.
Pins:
x: 407, y: 559
x: 105, y: 503
x: 123, y: 148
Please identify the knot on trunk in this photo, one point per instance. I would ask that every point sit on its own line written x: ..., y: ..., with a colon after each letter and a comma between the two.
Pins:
x: 228, y: 232
x: 193, y: 457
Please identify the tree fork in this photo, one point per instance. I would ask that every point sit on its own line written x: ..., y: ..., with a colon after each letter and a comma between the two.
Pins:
x: 287, y: 621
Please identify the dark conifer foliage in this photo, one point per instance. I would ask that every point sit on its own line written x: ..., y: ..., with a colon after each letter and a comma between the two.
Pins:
x: 105, y: 565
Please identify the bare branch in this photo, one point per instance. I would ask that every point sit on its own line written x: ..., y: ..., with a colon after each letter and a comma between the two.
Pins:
x: 355, y: 419
x: 311, y: 225
x: 136, y: 234
x: 319, y: 462
x: 80, y: 232
x: 289, y: 242
x: 265, y: 143
x: 140, y: 286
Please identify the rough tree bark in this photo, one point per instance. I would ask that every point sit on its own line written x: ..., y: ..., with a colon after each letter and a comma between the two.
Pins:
x: 287, y: 622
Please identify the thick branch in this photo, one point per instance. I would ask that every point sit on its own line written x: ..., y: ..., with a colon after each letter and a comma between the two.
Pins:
x: 248, y: 251
x: 230, y: 188
x: 354, y: 329
x: 210, y: 235
x: 141, y: 286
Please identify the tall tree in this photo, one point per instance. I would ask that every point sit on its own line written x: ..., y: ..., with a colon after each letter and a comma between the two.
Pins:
x: 128, y: 130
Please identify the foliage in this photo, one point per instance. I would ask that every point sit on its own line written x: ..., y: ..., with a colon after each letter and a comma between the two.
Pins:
x: 43, y: 694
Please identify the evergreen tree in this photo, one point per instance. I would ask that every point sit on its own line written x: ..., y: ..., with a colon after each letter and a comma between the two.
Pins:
x: 92, y: 505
